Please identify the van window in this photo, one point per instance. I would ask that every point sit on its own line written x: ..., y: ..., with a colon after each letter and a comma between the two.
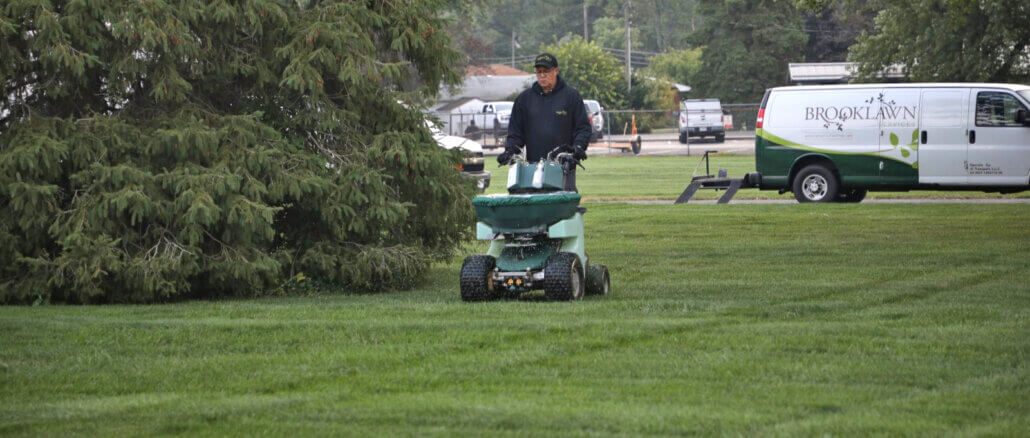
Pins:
x: 996, y: 109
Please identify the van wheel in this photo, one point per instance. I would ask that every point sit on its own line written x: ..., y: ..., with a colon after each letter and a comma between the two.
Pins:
x: 815, y: 183
x: 720, y: 138
x: 851, y: 195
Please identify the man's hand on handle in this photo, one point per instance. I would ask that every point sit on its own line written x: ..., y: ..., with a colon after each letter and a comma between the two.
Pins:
x: 579, y: 152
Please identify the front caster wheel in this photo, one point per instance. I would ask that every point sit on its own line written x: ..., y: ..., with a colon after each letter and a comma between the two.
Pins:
x: 598, y: 281
x: 851, y: 195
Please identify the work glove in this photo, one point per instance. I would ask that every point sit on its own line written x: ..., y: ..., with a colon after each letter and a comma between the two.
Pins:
x: 504, y: 158
x: 579, y: 152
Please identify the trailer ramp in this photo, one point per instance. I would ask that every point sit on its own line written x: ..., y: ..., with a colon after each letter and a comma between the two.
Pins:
x: 716, y: 182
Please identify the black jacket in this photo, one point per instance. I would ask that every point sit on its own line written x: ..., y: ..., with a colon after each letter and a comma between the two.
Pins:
x: 540, y: 122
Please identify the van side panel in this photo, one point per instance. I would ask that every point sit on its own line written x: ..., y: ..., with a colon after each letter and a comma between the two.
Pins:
x: 941, y: 139
x: 841, y: 125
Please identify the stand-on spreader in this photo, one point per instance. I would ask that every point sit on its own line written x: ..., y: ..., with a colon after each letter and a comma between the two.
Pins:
x: 536, y: 238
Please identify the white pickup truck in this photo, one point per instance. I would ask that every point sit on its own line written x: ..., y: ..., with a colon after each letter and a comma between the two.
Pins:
x: 493, y: 117
x: 701, y: 118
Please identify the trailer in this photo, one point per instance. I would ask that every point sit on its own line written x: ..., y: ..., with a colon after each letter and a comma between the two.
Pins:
x: 717, y: 182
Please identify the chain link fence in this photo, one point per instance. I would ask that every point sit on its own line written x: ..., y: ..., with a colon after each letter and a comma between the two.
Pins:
x: 616, y: 125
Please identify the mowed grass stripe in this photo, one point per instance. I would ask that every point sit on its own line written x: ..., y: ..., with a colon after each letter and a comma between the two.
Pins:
x: 725, y: 320
x: 665, y: 177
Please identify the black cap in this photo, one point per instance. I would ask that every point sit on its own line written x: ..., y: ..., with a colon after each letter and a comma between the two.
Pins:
x: 545, y: 60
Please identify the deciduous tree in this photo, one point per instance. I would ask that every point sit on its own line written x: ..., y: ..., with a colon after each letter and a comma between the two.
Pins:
x: 960, y: 40
x: 747, y: 46
x: 590, y: 70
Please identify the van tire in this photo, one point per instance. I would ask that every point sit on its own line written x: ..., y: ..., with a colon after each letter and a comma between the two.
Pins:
x: 851, y: 195
x: 719, y: 138
x: 683, y: 137
x: 815, y: 183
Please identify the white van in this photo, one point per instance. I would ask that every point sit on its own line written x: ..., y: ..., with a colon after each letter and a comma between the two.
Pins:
x: 836, y: 142
x: 701, y: 118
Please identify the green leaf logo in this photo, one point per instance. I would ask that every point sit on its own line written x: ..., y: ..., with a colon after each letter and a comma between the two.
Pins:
x: 904, y: 152
x: 915, y: 165
x: 915, y: 136
x: 894, y: 139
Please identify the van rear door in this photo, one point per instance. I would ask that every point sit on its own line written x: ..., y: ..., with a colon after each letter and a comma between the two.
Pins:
x: 942, y: 136
x: 999, y: 148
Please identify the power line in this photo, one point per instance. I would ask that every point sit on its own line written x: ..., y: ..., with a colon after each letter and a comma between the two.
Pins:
x: 635, y: 51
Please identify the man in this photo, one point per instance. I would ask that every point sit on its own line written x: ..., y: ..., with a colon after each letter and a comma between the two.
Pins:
x: 547, y: 115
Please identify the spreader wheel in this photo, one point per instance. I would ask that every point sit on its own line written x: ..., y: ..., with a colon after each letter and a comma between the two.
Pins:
x: 598, y: 281
x: 477, y: 279
x: 563, y: 277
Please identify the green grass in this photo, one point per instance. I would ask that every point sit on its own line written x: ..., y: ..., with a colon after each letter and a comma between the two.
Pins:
x: 779, y: 320
x: 665, y: 177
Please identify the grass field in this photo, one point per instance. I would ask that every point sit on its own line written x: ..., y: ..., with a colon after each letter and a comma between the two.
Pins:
x: 779, y: 320
x: 665, y: 177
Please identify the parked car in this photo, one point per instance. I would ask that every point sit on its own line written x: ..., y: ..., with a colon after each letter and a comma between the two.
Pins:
x: 701, y: 118
x: 472, y: 151
x: 492, y: 118
x: 596, y: 114
x: 836, y: 142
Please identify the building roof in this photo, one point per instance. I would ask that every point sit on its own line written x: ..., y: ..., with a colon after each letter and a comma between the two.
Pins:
x: 488, y: 88
x: 456, y: 103
x: 833, y: 72
x: 493, y: 70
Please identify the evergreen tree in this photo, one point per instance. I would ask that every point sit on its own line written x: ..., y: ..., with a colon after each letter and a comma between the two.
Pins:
x: 153, y: 150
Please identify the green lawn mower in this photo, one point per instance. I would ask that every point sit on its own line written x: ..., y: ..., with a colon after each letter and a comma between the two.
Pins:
x: 536, y: 238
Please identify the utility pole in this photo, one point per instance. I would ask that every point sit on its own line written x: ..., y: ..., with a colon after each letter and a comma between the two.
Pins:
x: 629, y: 54
x: 513, y: 47
x: 586, y: 32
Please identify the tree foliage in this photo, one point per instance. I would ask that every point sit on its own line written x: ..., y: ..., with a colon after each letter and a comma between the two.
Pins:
x: 960, y: 40
x: 659, y: 25
x: 611, y: 33
x: 747, y: 46
x: 834, y: 26
x: 153, y: 150
x: 595, y: 73
x: 680, y: 66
